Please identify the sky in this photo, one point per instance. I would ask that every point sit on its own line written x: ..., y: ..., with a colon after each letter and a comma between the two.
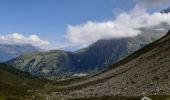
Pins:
x: 72, y: 24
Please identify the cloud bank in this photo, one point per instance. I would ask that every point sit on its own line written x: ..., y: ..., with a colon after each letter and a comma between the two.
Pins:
x: 125, y: 25
x: 17, y: 38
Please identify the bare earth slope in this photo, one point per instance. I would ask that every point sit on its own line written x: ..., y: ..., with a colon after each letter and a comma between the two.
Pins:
x: 145, y: 72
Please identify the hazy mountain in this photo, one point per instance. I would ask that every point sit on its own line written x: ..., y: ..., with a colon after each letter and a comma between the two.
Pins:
x: 144, y: 73
x: 97, y: 56
x: 167, y: 10
x: 10, y: 51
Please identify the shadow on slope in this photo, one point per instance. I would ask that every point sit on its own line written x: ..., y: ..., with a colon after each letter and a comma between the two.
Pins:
x: 15, y: 84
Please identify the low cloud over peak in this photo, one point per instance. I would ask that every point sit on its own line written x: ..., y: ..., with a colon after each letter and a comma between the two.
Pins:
x: 17, y: 38
x: 92, y: 31
x: 125, y: 25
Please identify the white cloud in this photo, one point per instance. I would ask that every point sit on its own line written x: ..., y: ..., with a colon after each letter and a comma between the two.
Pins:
x: 17, y: 38
x: 125, y: 25
x: 92, y: 31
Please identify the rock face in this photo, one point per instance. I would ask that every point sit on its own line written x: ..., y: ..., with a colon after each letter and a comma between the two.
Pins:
x: 167, y: 10
x: 10, y: 51
x: 103, y: 53
x: 94, y: 58
x: 45, y: 64
x: 145, y: 72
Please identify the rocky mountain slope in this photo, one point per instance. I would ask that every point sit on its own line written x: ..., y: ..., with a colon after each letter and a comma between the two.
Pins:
x: 144, y: 73
x: 45, y: 64
x: 96, y: 57
x: 10, y: 51
x: 103, y: 53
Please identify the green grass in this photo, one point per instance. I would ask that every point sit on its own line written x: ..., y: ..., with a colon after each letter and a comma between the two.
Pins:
x: 15, y: 84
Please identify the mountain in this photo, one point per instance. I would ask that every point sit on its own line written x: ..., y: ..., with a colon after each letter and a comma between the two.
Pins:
x: 45, y: 64
x: 98, y: 56
x: 167, y: 10
x: 15, y: 84
x: 10, y: 51
x: 146, y: 72
x: 104, y: 52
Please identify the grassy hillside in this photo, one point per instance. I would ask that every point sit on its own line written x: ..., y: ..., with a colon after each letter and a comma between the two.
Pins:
x: 15, y: 84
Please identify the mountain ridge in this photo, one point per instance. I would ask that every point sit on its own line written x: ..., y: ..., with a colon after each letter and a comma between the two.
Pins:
x: 98, y: 56
x: 167, y: 10
x: 10, y: 51
x: 146, y: 72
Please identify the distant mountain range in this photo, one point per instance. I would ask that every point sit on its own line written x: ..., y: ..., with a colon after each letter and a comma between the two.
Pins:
x: 10, y: 51
x: 98, y: 56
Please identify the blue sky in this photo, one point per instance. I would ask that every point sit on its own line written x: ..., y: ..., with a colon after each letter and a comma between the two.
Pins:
x: 52, y: 16
x: 49, y: 19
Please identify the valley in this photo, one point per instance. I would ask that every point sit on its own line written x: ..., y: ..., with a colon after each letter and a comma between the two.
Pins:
x: 143, y: 73
x: 84, y: 50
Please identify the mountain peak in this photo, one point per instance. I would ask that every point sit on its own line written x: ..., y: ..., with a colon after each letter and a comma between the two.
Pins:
x: 168, y: 32
x: 167, y: 10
